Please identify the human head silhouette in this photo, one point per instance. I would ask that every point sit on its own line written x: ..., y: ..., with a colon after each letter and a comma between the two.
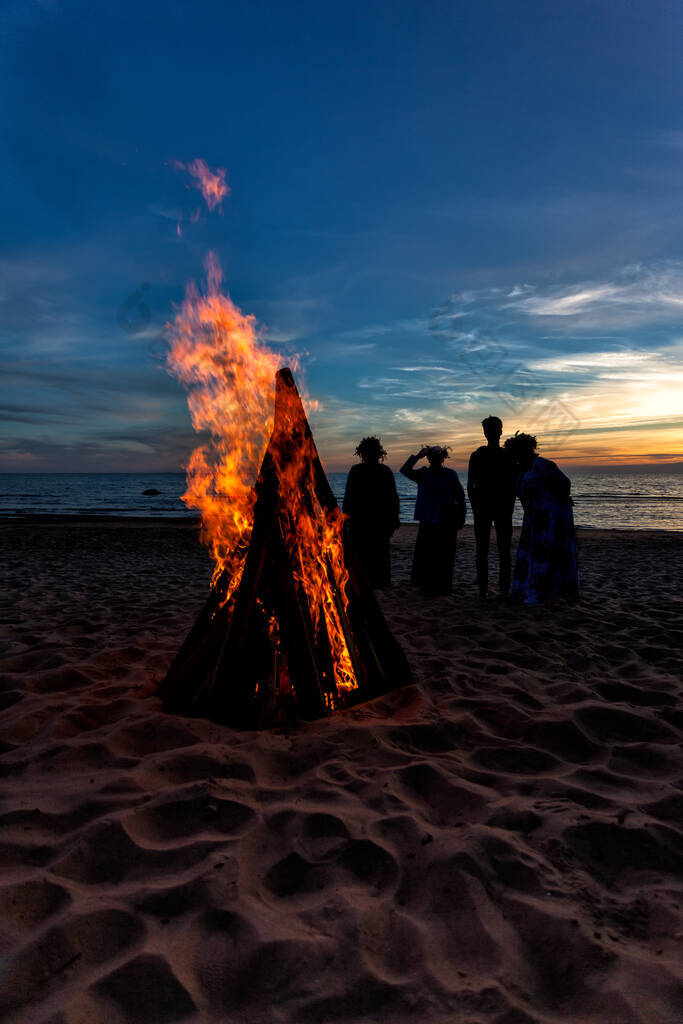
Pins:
x: 436, y: 455
x: 522, y: 448
x: 370, y: 449
x: 493, y: 428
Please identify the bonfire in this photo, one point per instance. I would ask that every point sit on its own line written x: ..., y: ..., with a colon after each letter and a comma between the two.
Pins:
x: 291, y: 628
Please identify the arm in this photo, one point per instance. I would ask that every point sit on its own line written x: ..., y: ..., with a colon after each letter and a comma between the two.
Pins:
x: 561, y: 484
x: 407, y: 469
x: 461, y: 506
x: 395, y: 504
x: 472, y: 478
x: 519, y: 484
x: 349, y: 493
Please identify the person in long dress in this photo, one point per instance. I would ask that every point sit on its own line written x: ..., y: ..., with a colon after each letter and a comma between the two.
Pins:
x: 372, y: 505
x: 440, y: 509
x: 546, y: 564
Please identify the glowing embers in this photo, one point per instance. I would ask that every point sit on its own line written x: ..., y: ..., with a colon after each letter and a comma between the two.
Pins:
x: 300, y: 633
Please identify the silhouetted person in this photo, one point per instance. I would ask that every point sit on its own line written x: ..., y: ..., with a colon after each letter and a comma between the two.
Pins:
x: 440, y: 509
x: 491, y: 490
x: 546, y: 557
x: 372, y: 505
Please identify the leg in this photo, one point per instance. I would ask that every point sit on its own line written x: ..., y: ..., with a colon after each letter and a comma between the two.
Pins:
x: 382, y: 561
x: 439, y: 570
x: 482, y: 533
x: 503, y: 521
x: 372, y: 548
x: 420, y: 556
x: 449, y: 546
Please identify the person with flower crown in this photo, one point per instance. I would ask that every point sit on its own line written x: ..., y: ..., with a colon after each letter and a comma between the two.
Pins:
x: 372, y: 505
x: 546, y: 564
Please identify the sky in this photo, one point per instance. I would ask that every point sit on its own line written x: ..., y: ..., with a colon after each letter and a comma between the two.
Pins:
x: 450, y: 210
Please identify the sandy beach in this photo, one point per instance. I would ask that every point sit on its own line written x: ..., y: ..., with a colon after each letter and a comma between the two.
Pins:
x: 499, y: 843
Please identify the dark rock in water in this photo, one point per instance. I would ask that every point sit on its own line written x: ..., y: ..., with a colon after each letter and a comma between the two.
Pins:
x: 151, y: 490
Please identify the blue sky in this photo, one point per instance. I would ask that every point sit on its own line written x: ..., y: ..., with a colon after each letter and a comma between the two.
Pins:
x: 453, y: 209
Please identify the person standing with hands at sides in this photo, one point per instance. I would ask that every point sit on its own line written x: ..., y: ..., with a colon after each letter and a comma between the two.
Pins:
x: 440, y: 510
x: 372, y: 505
x: 491, y: 490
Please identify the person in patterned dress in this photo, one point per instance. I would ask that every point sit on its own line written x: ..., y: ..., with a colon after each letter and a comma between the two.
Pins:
x: 546, y: 565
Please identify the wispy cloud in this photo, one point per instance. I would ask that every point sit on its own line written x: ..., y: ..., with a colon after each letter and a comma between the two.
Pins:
x: 593, y: 363
x: 346, y: 350
x: 570, y: 303
x: 637, y: 295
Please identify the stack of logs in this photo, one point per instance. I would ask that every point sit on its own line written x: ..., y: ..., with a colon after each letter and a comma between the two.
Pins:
x: 263, y: 656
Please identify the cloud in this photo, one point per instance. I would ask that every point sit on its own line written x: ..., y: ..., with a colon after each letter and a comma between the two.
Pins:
x: 426, y: 368
x: 499, y: 365
x: 164, y: 449
x: 12, y: 413
x: 368, y: 331
x: 593, y: 363
x: 410, y: 416
x: 568, y: 304
x: 637, y: 295
x: 338, y: 429
x: 519, y: 289
x: 341, y: 350
x: 275, y: 336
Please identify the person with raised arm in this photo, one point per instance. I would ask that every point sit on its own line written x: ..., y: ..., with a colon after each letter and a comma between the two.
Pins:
x: 491, y: 490
x: 440, y: 509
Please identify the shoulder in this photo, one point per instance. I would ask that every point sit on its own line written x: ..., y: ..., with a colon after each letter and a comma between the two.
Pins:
x: 543, y: 468
x: 478, y: 452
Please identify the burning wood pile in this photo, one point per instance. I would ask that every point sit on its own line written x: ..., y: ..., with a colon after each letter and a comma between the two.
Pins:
x: 291, y: 628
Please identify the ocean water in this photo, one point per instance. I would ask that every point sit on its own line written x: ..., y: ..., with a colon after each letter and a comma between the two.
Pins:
x: 627, y: 499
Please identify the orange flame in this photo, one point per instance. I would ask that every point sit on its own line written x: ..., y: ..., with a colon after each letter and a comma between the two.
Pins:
x: 313, y: 535
x: 210, y: 183
x: 216, y: 352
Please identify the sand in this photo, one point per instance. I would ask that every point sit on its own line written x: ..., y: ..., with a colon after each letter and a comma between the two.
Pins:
x: 499, y: 843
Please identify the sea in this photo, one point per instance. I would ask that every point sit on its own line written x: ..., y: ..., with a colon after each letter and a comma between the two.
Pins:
x: 633, y: 499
